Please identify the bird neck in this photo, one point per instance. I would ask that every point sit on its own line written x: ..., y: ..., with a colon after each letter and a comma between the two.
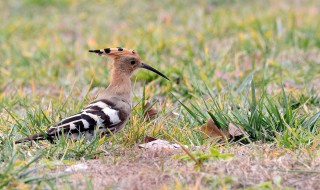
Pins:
x: 120, y: 87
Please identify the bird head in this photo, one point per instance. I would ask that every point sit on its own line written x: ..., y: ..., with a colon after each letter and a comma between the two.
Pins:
x: 126, y: 60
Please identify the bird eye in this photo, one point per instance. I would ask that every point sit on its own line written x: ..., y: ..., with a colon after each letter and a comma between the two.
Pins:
x: 133, y: 62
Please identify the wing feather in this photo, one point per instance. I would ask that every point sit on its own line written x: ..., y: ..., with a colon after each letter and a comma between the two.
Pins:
x: 98, y: 114
x: 101, y: 116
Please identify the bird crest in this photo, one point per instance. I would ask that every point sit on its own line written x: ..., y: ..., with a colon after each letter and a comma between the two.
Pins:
x: 116, y: 52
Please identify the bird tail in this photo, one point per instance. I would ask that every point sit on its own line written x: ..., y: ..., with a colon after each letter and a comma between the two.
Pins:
x: 35, y: 137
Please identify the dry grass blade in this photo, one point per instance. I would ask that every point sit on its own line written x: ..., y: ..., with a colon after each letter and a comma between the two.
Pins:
x: 198, y: 163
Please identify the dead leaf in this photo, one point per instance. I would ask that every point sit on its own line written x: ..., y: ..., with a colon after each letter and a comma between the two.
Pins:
x: 210, y: 129
x: 159, y: 145
x: 148, y: 139
x: 151, y: 113
x: 235, y: 130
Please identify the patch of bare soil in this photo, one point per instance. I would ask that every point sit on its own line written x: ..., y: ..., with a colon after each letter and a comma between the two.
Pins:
x: 131, y: 169
x: 253, y: 165
x: 250, y: 165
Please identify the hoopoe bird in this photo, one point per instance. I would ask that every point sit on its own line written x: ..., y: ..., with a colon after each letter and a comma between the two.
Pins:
x: 110, y: 111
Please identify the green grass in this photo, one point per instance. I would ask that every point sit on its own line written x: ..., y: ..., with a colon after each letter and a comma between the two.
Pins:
x: 251, y: 63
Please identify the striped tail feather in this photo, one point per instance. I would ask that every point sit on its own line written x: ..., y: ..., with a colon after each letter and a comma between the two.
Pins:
x: 35, y: 137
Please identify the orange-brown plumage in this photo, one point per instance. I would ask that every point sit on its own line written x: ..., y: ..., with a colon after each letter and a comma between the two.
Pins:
x: 109, y: 112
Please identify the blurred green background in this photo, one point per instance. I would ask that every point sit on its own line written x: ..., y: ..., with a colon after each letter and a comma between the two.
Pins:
x: 46, y: 43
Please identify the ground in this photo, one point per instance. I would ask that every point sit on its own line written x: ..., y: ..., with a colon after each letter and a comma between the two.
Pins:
x: 253, y: 65
x: 256, y: 166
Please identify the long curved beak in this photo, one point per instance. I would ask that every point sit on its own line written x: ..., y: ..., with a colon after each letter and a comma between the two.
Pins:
x: 145, y: 66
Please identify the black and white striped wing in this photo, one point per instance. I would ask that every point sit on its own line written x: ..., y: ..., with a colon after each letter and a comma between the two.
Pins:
x: 101, y: 114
